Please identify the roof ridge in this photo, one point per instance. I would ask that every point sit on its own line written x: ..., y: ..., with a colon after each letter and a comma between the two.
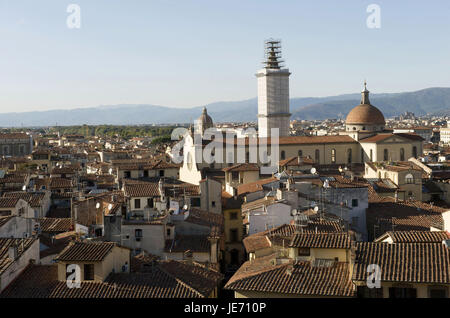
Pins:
x: 181, y: 282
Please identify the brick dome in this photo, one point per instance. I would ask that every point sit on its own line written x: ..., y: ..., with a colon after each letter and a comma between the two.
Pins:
x: 365, y: 114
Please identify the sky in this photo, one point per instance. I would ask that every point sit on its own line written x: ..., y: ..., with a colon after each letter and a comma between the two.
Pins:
x: 189, y: 53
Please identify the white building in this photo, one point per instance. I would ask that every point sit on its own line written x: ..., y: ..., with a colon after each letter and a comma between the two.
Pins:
x: 445, y: 135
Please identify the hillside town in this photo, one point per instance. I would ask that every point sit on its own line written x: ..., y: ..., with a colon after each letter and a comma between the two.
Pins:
x: 350, y: 207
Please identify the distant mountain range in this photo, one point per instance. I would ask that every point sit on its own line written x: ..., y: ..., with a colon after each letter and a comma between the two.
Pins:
x: 427, y: 101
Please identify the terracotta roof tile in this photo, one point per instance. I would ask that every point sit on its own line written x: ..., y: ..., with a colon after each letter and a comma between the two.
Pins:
x: 55, y: 224
x: 416, y: 236
x: 141, y: 189
x: 404, y: 262
x: 298, y: 278
x: 321, y: 240
x: 86, y: 251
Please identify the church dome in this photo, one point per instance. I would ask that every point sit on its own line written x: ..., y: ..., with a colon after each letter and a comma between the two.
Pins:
x: 365, y: 113
x: 205, y: 120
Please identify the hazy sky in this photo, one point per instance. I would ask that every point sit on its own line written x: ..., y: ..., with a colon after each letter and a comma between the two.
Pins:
x: 188, y: 53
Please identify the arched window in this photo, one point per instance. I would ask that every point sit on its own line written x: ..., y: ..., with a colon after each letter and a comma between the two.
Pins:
x: 362, y: 155
x: 283, y: 155
x: 414, y: 152
x: 349, y: 155
x: 402, y: 154
x: 317, y: 155
x: 300, y: 153
x: 385, y: 155
x: 247, y: 157
x: 409, y: 179
x: 333, y: 155
x: 371, y: 155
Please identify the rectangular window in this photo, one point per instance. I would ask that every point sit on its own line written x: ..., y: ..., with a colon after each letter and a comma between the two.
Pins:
x: 354, y: 202
x: 150, y: 202
x: 127, y: 174
x: 195, y: 201
x: 161, y: 173
x: 138, y: 233
x: 88, y: 271
x: 137, y: 203
x: 233, y: 216
x: 304, y: 252
x: 213, y: 203
x: 234, y: 235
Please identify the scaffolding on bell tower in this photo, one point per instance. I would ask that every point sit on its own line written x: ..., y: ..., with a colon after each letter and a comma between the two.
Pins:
x: 273, y: 54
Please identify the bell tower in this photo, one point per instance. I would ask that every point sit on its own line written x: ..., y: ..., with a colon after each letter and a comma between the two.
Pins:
x: 273, y: 92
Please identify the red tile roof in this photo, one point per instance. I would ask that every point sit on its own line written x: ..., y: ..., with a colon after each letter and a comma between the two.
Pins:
x: 165, y: 281
x: 254, y: 186
x: 242, y: 167
x: 293, y: 278
x: 404, y: 262
x: 141, y: 189
x: 416, y: 236
x: 321, y: 240
x: 55, y: 224
x: 86, y: 251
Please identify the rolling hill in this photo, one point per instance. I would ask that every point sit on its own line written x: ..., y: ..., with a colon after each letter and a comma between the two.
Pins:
x: 427, y: 101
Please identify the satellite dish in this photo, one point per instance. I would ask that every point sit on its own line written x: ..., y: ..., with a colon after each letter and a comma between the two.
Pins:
x: 294, y: 212
x: 316, y: 208
x: 97, y: 205
x: 109, y: 207
x: 24, y: 187
x: 313, y: 170
x: 185, y: 207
